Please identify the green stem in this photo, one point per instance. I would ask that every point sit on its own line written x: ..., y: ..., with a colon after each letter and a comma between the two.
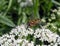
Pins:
x: 35, y: 11
x: 9, y: 6
x: 19, y: 21
x: 24, y: 18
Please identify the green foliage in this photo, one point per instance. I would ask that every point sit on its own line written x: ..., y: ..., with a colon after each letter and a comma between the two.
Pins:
x: 12, y: 14
x: 5, y: 20
x: 3, y: 5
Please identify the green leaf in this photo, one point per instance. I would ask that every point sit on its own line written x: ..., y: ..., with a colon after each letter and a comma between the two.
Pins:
x: 3, y: 5
x: 55, y: 2
x: 5, y: 20
x: 9, y: 6
x: 35, y: 8
x: 19, y: 21
x: 57, y: 24
x: 24, y: 18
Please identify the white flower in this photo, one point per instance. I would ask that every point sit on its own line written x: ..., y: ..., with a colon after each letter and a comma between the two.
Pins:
x: 59, y: 29
x: 14, y: 31
x: 21, y: 32
x: 26, y: 3
x: 18, y: 45
x: 55, y: 10
x: 18, y: 29
x: 5, y: 39
x: 19, y: 41
x: 19, y: 1
x: 23, y: 27
x: 30, y: 31
x: 53, y: 16
x: 25, y: 42
x: 9, y: 40
x: 23, y: 4
x: 58, y: 13
x: 29, y: 2
x: 37, y: 45
x: 12, y: 36
x: 1, y: 41
x: 58, y: 39
x: 31, y: 44
x: 6, y: 44
x: 43, y: 20
x: 44, y: 45
x: 55, y: 44
x: 37, y: 33
x: 49, y: 19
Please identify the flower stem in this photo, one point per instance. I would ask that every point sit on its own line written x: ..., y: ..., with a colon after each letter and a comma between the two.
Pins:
x: 35, y: 8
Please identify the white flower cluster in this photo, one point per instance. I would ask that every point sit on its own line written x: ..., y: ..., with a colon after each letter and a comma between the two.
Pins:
x: 56, y: 11
x: 47, y: 35
x: 25, y: 3
x: 18, y: 37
